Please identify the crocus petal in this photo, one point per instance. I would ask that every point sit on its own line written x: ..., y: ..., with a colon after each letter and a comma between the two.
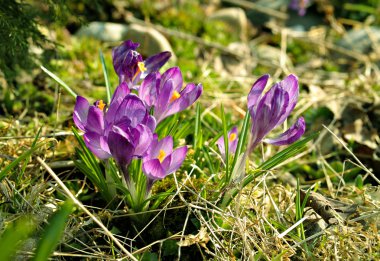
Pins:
x: 178, y: 156
x: 95, y: 120
x: 299, y: 6
x: 80, y: 112
x: 221, y: 146
x: 163, y: 100
x: 290, y: 135
x: 267, y: 114
x: 165, y: 164
x: 121, y: 148
x: 252, y: 113
x: 290, y: 85
x: 148, y: 90
x: 120, y: 92
x: 150, y: 122
x: 269, y: 110
x: 131, y: 108
x: 256, y: 90
x: 155, y: 62
x: 152, y: 147
x: 175, y: 75
x: 279, y: 104
x: 233, y: 144
x: 97, y: 144
x: 191, y: 93
x: 166, y: 144
x: 142, y: 138
x: 153, y: 169
x: 187, y: 97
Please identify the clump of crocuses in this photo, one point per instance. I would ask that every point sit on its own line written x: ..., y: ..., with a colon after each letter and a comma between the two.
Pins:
x: 124, y: 129
x: 271, y: 109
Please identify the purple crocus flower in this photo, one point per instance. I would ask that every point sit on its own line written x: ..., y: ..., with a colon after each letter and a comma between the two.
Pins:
x: 129, y: 64
x: 271, y: 109
x: 130, y: 130
x: 232, y: 142
x: 160, y: 159
x: 123, y: 131
x: 300, y: 6
x: 164, y: 93
x: 90, y: 119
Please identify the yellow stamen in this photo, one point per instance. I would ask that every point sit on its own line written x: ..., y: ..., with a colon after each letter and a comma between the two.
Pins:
x: 101, y: 105
x: 161, y: 155
x: 232, y: 137
x: 140, y: 68
x: 175, y: 96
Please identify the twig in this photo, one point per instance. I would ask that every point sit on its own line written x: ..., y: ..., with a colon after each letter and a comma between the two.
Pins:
x: 292, y: 227
x: 62, y: 164
x: 81, y: 206
x: 307, y: 239
x: 143, y: 249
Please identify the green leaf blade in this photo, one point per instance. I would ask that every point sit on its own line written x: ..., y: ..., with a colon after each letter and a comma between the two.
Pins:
x: 53, y: 232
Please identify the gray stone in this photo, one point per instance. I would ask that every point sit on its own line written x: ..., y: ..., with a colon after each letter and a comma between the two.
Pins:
x: 151, y: 40
x: 240, y: 65
x: 270, y: 56
x: 104, y: 31
x: 361, y: 40
x: 234, y: 18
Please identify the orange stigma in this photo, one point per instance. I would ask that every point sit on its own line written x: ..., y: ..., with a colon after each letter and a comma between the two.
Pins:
x: 161, y: 155
x: 140, y: 68
x: 175, y: 96
x: 101, y: 105
x: 232, y: 137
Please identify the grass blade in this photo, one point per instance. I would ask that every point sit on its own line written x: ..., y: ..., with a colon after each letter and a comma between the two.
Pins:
x: 14, y: 235
x: 225, y: 136
x: 58, y: 80
x: 33, y: 145
x: 22, y: 157
x: 206, y: 154
x: 89, y: 166
x: 287, y: 153
x: 53, y: 232
x: 105, y: 72
x: 197, y: 126
x: 242, y: 139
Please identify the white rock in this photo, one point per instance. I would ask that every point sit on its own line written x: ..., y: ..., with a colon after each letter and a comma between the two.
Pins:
x: 104, y: 31
x: 151, y: 40
x: 234, y: 18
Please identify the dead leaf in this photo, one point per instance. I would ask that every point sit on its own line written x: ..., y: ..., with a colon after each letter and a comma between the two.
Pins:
x: 201, y: 238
